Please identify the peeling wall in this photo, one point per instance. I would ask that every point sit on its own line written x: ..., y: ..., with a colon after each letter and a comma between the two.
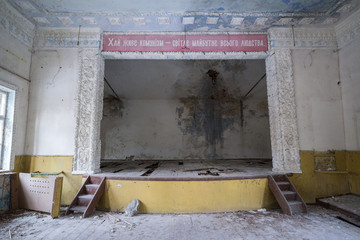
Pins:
x: 52, y: 102
x: 185, y: 110
x: 5, y: 197
x: 318, y: 99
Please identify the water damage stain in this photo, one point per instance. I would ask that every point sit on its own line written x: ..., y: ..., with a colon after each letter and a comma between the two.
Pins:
x: 210, y: 113
x: 113, y: 107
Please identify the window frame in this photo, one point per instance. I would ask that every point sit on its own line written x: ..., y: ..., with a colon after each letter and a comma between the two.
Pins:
x: 7, y: 150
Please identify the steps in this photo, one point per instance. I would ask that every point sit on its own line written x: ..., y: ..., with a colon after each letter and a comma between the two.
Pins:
x: 286, y: 195
x: 88, y: 196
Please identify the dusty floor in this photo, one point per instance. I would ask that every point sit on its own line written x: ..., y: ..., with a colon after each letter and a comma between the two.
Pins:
x: 319, y: 223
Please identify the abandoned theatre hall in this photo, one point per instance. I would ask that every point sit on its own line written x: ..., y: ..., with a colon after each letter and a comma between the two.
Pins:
x: 183, y: 119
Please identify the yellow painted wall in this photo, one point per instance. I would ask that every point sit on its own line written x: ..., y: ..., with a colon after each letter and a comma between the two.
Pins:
x: 353, y: 163
x: 188, y: 196
x: 313, y: 184
x: 52, y: 164
x: 199, y: 196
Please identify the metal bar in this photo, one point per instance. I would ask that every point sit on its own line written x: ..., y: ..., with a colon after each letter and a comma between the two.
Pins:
x: 111, y: 88
x: 254, y: 85
x: 241, y: 113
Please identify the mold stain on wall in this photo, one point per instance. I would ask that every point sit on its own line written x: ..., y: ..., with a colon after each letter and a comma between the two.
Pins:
x: 169, y: 110
x: 113, y: 106
x: 210, y: 113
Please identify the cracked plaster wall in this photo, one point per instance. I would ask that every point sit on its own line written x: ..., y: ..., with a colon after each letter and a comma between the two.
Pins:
x: 318, y: 99
x: 53, y: 102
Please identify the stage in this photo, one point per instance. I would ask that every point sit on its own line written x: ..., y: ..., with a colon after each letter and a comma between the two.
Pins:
x: 187, y: 186
x: 186, y: 170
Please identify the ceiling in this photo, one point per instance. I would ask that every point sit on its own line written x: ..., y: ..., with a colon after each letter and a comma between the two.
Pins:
x: 183, y: 78
x: 184, y: 15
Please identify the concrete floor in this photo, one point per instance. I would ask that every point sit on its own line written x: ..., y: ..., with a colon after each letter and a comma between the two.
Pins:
x: 319, y: 223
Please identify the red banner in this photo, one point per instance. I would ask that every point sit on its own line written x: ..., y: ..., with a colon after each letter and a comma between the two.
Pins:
x: 185, y: 43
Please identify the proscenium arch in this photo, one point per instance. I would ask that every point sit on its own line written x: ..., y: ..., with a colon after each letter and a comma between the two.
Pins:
x: 280, y: 90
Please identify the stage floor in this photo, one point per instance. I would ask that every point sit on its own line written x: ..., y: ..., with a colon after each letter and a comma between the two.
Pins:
x: 186, y: 170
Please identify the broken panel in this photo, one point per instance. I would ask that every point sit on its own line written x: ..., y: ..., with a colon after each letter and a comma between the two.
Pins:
x: 40, y: 193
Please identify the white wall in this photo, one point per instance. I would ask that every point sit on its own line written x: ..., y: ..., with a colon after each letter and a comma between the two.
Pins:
x: 318, y: 99
x: 164, y: 112
x: 52, y: 107
x: 349, y: 58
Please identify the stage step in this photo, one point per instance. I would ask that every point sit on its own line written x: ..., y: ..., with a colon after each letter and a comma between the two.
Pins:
x: 88, y: 196
x: 286, y: 195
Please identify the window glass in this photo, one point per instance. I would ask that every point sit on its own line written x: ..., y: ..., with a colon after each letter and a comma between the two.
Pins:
x: 3, y: 97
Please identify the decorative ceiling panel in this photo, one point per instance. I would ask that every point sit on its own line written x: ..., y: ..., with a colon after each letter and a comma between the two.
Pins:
x: 164, y: 15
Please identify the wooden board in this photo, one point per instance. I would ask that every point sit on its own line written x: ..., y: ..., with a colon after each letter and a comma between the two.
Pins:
x: 40, y: 193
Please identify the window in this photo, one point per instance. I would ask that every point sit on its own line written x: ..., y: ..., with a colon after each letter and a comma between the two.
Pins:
x: 7, y: 102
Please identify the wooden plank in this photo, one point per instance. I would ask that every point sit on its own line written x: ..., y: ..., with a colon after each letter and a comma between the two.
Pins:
x: 55, y: 210
x: 338, y: 207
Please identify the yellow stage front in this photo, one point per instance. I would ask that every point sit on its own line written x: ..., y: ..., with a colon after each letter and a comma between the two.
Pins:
x: 200, y: 195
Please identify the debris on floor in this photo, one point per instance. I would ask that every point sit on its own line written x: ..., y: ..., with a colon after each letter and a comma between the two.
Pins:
x: 124, y: 223
x: 132, y: 209
x: 319, y: 223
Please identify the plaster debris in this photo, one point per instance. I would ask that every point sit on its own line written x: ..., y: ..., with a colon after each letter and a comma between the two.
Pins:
x: 319, y: 223
x: 132, y: 208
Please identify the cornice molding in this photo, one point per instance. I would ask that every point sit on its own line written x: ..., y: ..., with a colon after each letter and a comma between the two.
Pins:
x: 302, y: 38
x: 68, y: 38
x: 348, y: 30
x: 17, y: 25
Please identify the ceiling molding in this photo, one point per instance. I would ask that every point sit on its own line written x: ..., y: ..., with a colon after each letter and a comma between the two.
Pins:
x: 16, y: 24
x: 348, y: 30
x: 302, y: 38
x: 141, y: 19
x: 67, y: 38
